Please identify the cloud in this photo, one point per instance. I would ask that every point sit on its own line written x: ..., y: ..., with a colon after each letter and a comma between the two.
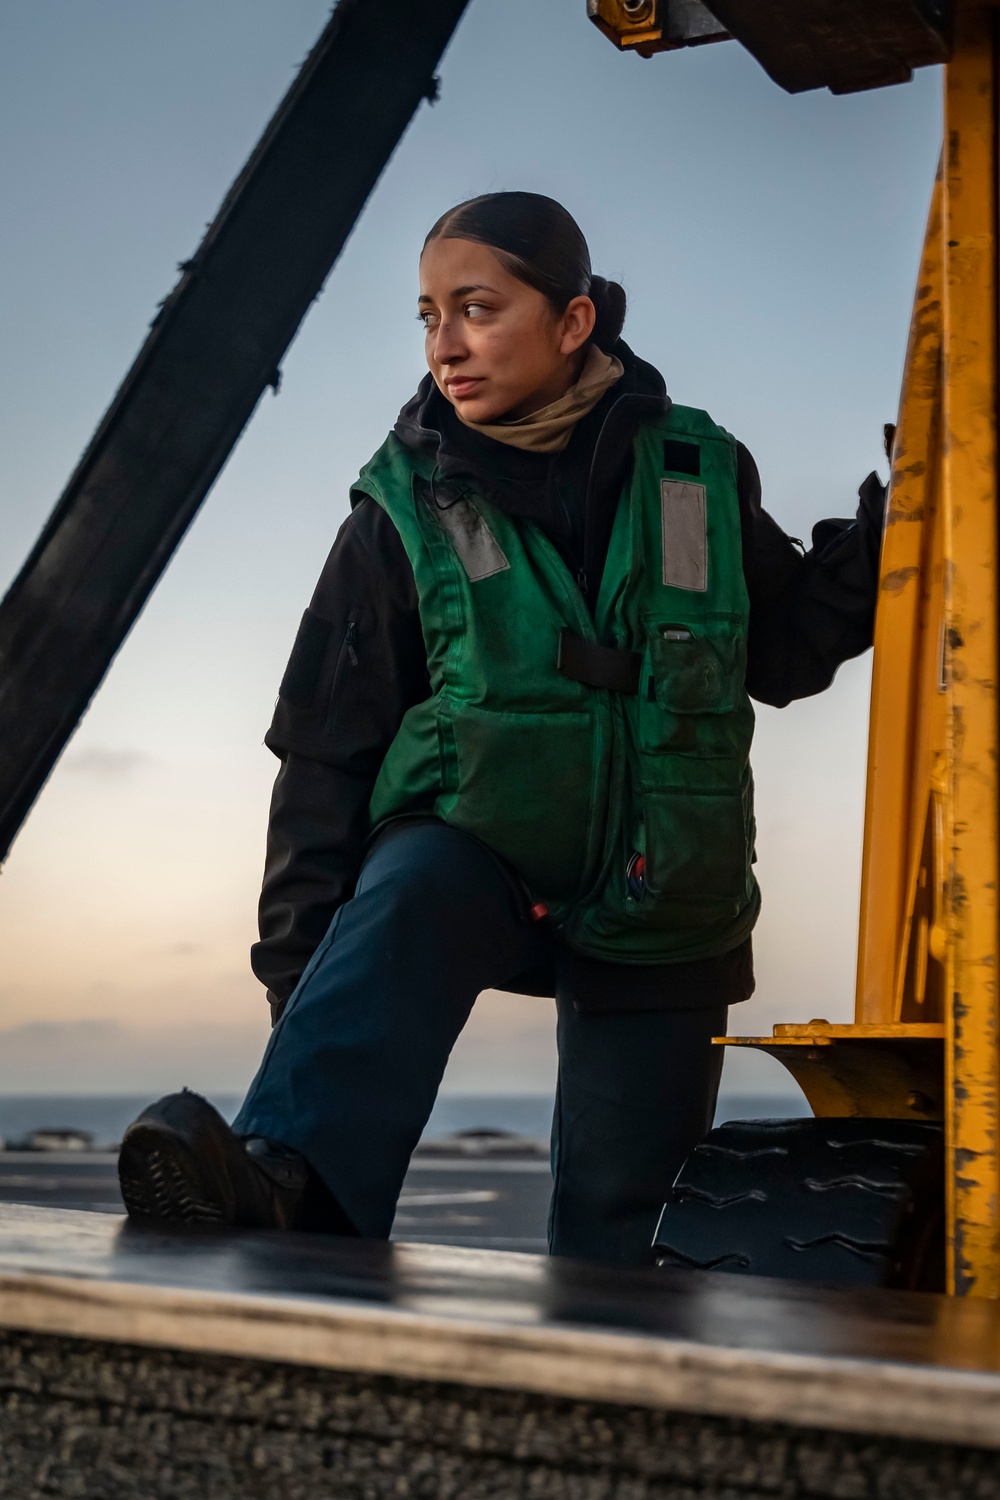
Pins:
x: 507, y: 1047
x: 106, y: 1056
x: 109, y: 765
x: 33, y: 1036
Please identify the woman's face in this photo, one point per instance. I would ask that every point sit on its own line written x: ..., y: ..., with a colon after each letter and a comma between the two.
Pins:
x: 495, y: 347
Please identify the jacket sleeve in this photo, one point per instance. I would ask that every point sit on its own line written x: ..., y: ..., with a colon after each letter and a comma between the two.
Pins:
x: 357, y: 665
x: 809, y: 611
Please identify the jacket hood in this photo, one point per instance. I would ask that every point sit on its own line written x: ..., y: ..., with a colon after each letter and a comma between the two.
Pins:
x: 429, y: 424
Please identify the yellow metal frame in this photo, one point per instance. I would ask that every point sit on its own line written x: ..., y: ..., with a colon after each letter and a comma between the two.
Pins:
x: 926, y: 1038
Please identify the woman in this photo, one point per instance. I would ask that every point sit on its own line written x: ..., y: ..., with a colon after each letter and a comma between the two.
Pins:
x: 514, y: 734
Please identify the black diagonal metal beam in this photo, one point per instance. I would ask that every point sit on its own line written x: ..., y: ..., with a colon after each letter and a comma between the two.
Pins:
x: 212, y: 351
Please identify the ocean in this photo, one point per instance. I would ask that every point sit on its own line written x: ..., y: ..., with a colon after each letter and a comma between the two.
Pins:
x: 105, y: 1116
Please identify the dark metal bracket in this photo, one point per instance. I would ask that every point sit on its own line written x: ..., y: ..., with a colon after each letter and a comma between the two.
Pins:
x: 842, y: 45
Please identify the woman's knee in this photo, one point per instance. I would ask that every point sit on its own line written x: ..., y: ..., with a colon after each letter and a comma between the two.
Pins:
x: 434, y: 870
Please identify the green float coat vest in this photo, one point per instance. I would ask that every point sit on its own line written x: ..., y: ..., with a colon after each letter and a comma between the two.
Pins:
x: 570, y: 782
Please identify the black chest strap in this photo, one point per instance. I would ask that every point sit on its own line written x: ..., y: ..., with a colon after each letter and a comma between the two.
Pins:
x: 598, y: 666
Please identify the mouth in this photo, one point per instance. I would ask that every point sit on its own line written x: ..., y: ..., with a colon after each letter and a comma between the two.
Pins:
x: 460, y: 386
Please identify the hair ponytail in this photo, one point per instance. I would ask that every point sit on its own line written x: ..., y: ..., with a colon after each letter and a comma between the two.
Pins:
x: 539, y: 242
x: 610, y: 304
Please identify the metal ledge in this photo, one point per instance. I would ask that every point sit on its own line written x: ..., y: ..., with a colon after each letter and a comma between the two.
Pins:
x: 893, y: 1364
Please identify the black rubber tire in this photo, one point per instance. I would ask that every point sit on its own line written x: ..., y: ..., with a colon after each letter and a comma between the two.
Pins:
x: 848, y: 1202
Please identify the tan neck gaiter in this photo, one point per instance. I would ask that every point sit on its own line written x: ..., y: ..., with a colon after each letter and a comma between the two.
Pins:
x: 550, y: 429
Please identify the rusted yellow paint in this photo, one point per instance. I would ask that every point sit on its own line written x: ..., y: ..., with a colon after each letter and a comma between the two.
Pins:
x: 888, y: 1071
x: 926, y: 1038
x: 896, y: 977
x: 969, y: 492
x: 863, y: 1073
x: 816, y: 1029
x: 890, y: 1062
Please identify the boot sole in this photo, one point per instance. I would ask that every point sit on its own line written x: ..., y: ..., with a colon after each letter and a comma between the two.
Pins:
x: 160, y: 1179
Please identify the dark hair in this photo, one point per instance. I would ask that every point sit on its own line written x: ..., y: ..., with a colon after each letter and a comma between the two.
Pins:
x: 539, y: 242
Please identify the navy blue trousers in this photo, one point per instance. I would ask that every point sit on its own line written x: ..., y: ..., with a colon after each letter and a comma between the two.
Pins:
x: 353, y: 1066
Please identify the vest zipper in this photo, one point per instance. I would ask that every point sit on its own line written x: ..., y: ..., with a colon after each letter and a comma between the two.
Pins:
x: 588, y: 499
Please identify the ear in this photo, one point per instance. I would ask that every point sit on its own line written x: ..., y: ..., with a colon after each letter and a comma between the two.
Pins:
x: 577, y: 325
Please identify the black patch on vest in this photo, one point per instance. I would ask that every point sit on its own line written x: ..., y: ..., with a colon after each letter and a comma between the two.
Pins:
x: 681, y: 458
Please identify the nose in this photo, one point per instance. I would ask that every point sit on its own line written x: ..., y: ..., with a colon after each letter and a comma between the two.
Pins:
x: 449, y: 347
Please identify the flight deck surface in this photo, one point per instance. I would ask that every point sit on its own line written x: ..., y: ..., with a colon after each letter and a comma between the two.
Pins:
x: 899, y: 1364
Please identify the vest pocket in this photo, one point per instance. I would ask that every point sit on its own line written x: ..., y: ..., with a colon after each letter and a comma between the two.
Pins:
x: 695, y: 877
x: 525, y: 786
x: 697, y: 851
x: 691, y: 691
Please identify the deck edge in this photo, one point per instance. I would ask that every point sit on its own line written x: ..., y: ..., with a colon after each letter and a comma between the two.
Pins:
x: 832, y: 1393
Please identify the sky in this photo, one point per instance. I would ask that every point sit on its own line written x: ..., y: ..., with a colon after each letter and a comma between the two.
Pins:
x: 769, y: 246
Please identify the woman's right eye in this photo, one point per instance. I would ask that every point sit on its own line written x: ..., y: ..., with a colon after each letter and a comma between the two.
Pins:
x: 427, y: 318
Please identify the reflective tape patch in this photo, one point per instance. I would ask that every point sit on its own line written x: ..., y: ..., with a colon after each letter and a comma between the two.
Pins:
x: 473, y: 540
x: 685, y: 535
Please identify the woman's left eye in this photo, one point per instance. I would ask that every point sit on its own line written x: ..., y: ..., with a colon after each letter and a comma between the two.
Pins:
x: 475, y: 309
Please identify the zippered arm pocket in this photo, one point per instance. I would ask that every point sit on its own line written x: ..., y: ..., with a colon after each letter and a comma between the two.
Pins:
x: 308, y: 714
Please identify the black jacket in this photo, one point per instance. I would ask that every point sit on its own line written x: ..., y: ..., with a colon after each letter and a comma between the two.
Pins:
x: 359, y: 663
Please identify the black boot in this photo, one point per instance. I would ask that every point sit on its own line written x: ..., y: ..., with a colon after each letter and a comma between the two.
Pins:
x: 180, y: 1161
